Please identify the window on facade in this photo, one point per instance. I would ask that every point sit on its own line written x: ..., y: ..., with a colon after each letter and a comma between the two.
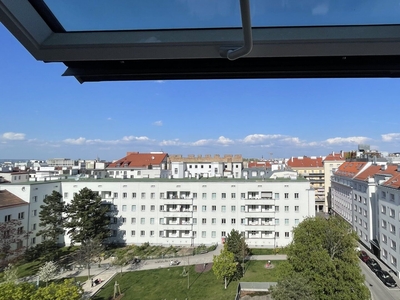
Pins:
x: 233, y: 195
x: 203, y: 234
x: 65, y: 195
x: 392, y: 197
x: 124, y: 195
x: 21, y: 216
x: 204, y: 196
x: 214, y: 196
x: 115, y: 195
x: 242, y: 195
x: 142, y: 233
x: 233, y: 208
x: 204, y: 208
x: 34, y: 226
x: 276, y: 234
x: 296, y: 195
x: 384, y: 253
x: 214, y: 208
x: 383, y: 209
x: 286, y: 234
x: 133, y: 220
x: 233, y: 221
x: 242, y: 208
x: 276, y: 207
x: 223, y: 195
x: 286, y: 195
x: 123, y: 207
x: 143, y: 195
x: 34, y: 198
x: 296, y: 221
x: 383, y: 224
x: 223, y: 233
x: 393, y: 260
x: 296, y: 208
x: 383, y: 195
x: 33, y: 241
x: 393, y: 245
x: 204, y: 221
x: 142, y: 221
x: 392, y: 213
x: 392, y: 229
x: 133, y: 195
x: 276, y: 196
x: 34, y: 213
x: 223, y: 221
x: 286, y: 221
x: 286, y: 208
x: 276, y: 221
x: 151, y: 221
x: 194, y: 195
x: 152, y: 207
x: 223, y: 208
x: 153, y: 195
x: 213, y: 234
x: 213, y: 221
x: 242, y: 221
x: 143, y: 207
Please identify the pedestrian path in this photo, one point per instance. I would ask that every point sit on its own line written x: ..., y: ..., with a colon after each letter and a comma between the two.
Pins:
x: 107, y: 270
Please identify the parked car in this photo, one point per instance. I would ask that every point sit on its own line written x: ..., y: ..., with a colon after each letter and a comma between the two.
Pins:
x: 363, y: 256
x: 373, y: 265
x: 386, y: 278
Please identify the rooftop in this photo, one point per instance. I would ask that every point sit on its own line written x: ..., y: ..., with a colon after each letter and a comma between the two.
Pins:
x: 8, y: 199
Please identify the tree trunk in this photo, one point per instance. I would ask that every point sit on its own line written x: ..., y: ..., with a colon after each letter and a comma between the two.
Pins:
x: 225, y: 282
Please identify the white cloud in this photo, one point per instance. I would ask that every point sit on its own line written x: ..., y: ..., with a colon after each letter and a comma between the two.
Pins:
x: 78, y: 141
x: 13, y: 136
x: 347, y: 140
x: 224, y: 141
x: 109, y: 119
x: 135, y: 138
x: 158, y: 123
x: 174, y: 142
x: 202, y: 142
x: 260, y: 138
x: 388, y: 137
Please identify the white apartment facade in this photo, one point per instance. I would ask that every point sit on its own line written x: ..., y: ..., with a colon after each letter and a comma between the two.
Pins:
x: 188, y: 212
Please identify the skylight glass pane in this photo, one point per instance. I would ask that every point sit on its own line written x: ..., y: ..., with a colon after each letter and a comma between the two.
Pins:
x: 93, y: 15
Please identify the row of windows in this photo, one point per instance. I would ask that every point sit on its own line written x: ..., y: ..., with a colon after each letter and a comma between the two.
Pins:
x: 186, y: 233
x: 223, y: 208
x: 195, y: 196
x: 186, y: 221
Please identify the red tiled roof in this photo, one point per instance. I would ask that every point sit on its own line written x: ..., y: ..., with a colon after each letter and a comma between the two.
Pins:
x: 8, y: 199
x: 393, y: 182
x: 334, y: 157
x: 139, y: 160
x: 258, y: 164
x: 376, y: 169
x: 305, y: 162
x: 350, y: 168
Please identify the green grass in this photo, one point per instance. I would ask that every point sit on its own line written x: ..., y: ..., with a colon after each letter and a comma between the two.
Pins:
x: 258, y: 251
x: 169, y: 284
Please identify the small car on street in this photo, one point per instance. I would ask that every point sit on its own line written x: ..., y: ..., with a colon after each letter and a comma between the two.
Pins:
x: 386, y: 278
x: 373, y: 265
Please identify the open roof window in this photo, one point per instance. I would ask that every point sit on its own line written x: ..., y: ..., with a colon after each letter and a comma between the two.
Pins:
x: 182, y: 39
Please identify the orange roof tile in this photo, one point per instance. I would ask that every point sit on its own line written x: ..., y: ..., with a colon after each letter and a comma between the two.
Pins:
x: 139, y: 160
x: 350, y: 168
x: 393, y: 182
x: 305, y: 162
x: 334, y: 157
x: 258, y: 164
x: 376, y: 169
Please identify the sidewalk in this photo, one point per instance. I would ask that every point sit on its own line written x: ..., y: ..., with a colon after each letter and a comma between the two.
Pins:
x: 106, y: 272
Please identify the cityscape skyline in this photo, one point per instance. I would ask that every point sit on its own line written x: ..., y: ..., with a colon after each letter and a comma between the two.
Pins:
x: 46, y: 115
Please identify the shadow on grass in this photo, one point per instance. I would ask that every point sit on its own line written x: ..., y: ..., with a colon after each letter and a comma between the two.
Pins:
x: 198, y: 276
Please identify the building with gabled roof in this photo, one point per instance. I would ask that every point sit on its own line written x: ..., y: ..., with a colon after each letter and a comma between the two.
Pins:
x: 312, y: 168
x: 140, y: 165
x: 331, y: 163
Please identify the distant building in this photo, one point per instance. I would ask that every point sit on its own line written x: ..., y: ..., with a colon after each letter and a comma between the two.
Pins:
x: 206, y: 166
x: 312, y: 168
x: 331, y: 164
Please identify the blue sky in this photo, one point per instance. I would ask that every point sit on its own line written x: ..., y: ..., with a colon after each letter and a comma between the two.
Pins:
x: 45, y: 115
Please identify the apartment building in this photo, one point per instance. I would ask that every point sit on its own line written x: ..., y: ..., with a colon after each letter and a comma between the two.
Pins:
x: 206, y: 166
x: 312, y: 168
x: 140, y: 165
x: 187, y: 211
x: 331, y: 163
x: 388, y: 214
x: 13, y: 207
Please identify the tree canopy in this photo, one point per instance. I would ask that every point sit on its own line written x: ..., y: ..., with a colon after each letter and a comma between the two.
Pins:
x: 51, y: 217
x: 322, y: 252
x: 12, y: 234
x: 224, y: 265
x: 87, y: 218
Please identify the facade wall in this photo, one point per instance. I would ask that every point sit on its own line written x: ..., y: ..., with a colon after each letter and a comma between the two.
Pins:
x: 389, y: 226
x: 16, y: 212
x: 187, y: 212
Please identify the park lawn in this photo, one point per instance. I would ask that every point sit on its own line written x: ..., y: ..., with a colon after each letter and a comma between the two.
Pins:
x: 267, y: 251
x: 170, y: 284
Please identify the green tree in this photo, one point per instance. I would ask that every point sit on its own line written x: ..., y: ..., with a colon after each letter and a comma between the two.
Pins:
x: 51, y: 217
x: 90, y: 251
x: 14, y: 291
x: 322, y: 252
x: 51, y: 223
x: 68, y: 290
x: 293, y: 288
x: 236, y: 244
x: 224, y: 266
x: 87, y: 218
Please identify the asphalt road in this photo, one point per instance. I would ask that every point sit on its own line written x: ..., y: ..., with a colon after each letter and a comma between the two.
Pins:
x: 378, y: 289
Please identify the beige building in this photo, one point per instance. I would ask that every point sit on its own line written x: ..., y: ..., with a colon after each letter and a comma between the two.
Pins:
x: 312, y: 168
